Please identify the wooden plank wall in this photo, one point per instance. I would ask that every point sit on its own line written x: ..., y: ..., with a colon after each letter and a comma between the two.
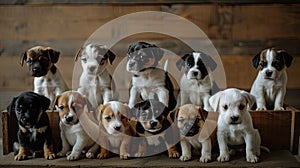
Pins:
x: 238, y: 31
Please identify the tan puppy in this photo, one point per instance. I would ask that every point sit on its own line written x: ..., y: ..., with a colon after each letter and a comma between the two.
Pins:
x: 69, y: 104
x: 40, y: 61
x: 115, y: 129
x: 190, y: 119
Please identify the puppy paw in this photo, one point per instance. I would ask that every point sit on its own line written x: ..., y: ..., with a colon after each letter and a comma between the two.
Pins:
x: 72, y: 157
x: 125, y: 156
x: 103, y: 155
x: 21, y: 156
x: 252, y: 158
x: 279, y: 108
x: 261, y: 108
x: 185, y: 158
x: 138, y: 155
x: 173, y: 154
x: 205, y: 158
x: 49, y: 155
x: 89, y: 155
x: 223, y: 157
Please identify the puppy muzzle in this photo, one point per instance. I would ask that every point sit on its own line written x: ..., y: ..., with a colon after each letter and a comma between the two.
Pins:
x: 190, y: 130
x: 234, y: 120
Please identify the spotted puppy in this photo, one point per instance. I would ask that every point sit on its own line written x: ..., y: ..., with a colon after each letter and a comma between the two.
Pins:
x: 190, y: 119
x: 195, y: 84
x: 72, y: 134
x: 47, y: 78
x: 269, y: 87
x: 235, y: 125
x: 34, y: 133
x: 95, y: 81
x: 148, y: 80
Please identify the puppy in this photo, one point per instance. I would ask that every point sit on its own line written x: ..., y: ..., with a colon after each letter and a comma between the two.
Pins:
x: 189, y: 119
x: 152, y: 123
x: 72, y: 134
x: 235, y: 123
x: 34, y: 134
x: 47, y: 78
x: 95, y: 81
x: 148, y: 80
x: 269, y: 87
x: 116, y: 131
x: 195, y: 84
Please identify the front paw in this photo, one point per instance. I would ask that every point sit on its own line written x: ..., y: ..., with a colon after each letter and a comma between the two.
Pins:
x: 61, y: 154
x: 73, y: 157
x: 173, y: 154
x: 21, y: 156
x: 89, y: 155
x: 261, y: 108
x: 124, y: 156
x: 139, y: 154
x: 185, y: 158
x: 49, y: 155
x: 278, y: 108
x: 205, y: 158
x: 252, y: 158
x: 103, y: 155
x: 223, y: 157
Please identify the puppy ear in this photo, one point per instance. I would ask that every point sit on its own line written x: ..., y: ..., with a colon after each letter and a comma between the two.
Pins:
x: 78, y: 54
x: 110, y: 55
x: 158, y: 53
x: 249, y: 98
x: 203, y: 113
x: 256, y: 60
x: 215, y: 100
x: 11, y: 107
x: 173, y: 115
x: 45, y: 102
x: 287, y: 58
x: 23, y: 58
x: 180, y: 63
x: 53, y: 55
x: 99, y: 112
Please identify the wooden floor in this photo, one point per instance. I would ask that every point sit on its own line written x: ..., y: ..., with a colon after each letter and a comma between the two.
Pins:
x: 273, y: 159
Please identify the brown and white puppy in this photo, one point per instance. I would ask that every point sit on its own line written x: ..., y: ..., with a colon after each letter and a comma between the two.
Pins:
x: 195, y: 84
x: 47, y: 78
x: 73, y: 136
x: 269, y: 87
x: 152, y: 124
x: 95, y: 81
x: 116, y: 131
x: 190, y: 119
x: 235, y: 125
x: 34, y: 134
x: 148, y: 79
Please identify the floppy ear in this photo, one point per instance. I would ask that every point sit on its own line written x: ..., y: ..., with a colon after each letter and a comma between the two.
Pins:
x: 173, y: 115
x: 45, y: 102
x: 11, y: 107
x: 99, y: 112
x: 53, y: 55
x: 158, y: 52
x: 215, y: 100
x: 23, y: 58
x: 287, y: 58
x: 203, y: 113
x: 180, y: 62
x: 249, y: 98
x: 110, y: 55
x: 78, y: 54
x: 255, y: 60
x: 208, y: 61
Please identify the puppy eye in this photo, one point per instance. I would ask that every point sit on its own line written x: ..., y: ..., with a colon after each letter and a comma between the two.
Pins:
x: 180, y: 120
x: 197, y: 120
x: 76, y: 108
x: 61, y: 107
x: 225, y: 107
x: 241, y: 107
x: 83, y: 60
x: 29, y: 62
x: 263, y: 64
x: 107, y: 118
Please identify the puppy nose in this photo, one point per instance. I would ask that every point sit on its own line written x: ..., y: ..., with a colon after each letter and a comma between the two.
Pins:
x: 131, y: 64
x: 36, y: 69
x: 234, y: 118
x: 69, y: 118
x: 269, y: 73
x: 195, y: 73
x: 153, y: 123
x: 92, y: 68
x: 117, y: 128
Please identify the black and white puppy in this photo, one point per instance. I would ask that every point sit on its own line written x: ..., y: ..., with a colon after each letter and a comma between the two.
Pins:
x: 148, y: 80
x: 269, y: 87
x: 95, y: 81
x: 152, y: 123
x: 41, y: 63
x: 34, y: 134
x: 195, y: 84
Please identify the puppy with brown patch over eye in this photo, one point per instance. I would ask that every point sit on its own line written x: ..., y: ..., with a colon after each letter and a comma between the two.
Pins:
x: 47, y: 78
x: 269, y: 87
x: 34, y: 134
x: 73, y: 136
x: 95, y: 81
x: 116, y: 131
x: 190, y: 119
x: 152, y: 123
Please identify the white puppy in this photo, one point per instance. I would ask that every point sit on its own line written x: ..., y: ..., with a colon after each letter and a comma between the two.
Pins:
x: 95, y: 81
x: 269, y: 87
x: 235, y: 124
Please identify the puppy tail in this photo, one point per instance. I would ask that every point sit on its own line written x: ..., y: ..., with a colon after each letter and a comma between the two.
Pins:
x: 166, y: 65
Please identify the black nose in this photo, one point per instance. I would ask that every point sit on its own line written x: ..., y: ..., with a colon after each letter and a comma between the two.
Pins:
x: 131, y: 64
x: 92, y: 68
x: 35, y: 69
x: 269, y: 73
x: 153, y: 123
x: 69, y: 119
x: 195, y: 74
x: 117, y: 128
x: 234, y: 118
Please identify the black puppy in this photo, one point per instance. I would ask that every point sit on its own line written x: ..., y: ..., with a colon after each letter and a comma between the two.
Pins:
x: 34, y: 134
x: 152, y: 123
